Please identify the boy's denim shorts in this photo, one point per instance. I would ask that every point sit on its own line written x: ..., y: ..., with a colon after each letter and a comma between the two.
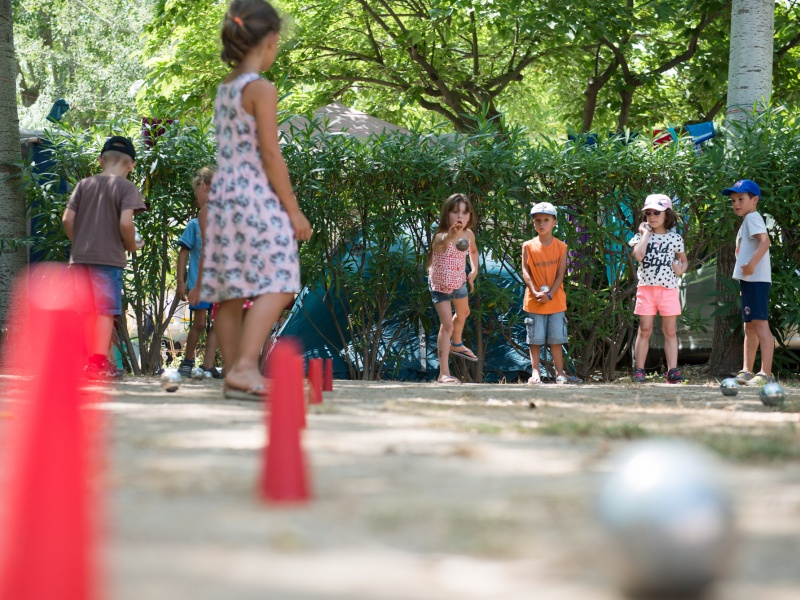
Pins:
x: 454, y: 295
x: 755, y: 300
x: 550, y: 329
x: 106, y: 287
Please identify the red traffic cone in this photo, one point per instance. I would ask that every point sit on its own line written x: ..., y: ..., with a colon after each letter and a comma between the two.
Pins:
x: 284, y: 479
x: 47, y: 545
x: 327, y: 376
x: 315, y: 380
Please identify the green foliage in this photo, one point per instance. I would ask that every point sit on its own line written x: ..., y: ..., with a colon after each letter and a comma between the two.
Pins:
x: 373, y: 204
x: 87, y: 52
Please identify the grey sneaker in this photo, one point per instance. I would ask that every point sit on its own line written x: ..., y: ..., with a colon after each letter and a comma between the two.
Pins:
x: 185, y: 368
x: 760, y: 379
x: 743, y: 376
x: 638, y: 376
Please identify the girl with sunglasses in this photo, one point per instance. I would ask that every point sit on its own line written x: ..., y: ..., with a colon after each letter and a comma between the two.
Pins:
x: 661, y: 255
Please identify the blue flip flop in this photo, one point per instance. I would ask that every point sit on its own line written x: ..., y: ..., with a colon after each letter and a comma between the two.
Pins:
x: 463, y: 355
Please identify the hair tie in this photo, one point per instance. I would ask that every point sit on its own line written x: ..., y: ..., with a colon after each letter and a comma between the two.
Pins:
x: 238, y: 21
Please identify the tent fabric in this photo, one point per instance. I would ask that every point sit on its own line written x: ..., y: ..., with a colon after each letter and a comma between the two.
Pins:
x: 341, y: 119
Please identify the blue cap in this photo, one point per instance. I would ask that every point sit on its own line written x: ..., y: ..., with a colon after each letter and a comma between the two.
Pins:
x: 743, y: 185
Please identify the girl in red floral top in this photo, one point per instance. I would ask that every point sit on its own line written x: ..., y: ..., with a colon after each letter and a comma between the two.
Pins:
x: 448, y: 279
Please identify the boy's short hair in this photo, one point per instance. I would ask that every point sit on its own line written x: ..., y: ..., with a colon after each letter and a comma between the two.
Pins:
x: 119, y: 144
x: 204, y: 175
x: 112, y: 158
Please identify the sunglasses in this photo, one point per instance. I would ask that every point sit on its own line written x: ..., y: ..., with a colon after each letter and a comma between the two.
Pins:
x: 655, y: 213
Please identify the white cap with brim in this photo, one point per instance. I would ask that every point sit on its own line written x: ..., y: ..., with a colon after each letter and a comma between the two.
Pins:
x: 544, y: 208
x: 657, y: 202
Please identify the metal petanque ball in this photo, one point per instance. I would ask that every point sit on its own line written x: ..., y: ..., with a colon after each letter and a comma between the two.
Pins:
x: 544, y: 288
x: 198, y: 373
x: 772, y: 394
x: 462, y: 245
x: 171, y: 380
x: 668, y: 518
x: 207, y: 375
x: 729, y: 387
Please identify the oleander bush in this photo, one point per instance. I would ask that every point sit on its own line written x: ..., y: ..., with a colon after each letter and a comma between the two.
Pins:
x: 374, y: 203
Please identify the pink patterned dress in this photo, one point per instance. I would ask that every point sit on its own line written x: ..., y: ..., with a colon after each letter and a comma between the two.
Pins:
x: 249, y: 248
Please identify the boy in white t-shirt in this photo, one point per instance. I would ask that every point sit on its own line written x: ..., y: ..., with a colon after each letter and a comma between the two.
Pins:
x: 754, y: 273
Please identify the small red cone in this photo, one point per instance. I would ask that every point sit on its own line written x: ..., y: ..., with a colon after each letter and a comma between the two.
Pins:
x: 284, y: 478
x: 327, y: 376
x: 315, y: 380
x: 49, y: 503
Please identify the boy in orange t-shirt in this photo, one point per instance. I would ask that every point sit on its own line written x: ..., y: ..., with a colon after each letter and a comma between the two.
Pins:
x: 544, y: 262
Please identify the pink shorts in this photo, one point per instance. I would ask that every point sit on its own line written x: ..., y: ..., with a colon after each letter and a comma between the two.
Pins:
x: 656, y: 300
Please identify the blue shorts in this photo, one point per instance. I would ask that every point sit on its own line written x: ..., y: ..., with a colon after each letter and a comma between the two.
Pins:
x: 106, y: 288
x: 454, y: 295
x: 755, y: 300
x: 551, y: 329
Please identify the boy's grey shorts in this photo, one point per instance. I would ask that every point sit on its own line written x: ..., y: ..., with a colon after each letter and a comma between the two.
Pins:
x: 550, y: 329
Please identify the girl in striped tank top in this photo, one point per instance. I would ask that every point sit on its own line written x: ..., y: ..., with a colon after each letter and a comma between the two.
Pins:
x: 448, y: 279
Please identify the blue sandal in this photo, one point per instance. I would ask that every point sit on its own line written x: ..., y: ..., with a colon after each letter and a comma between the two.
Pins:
x: 463, y: 353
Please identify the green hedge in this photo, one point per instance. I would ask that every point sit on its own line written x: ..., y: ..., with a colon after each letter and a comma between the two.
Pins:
x: 373, y: 204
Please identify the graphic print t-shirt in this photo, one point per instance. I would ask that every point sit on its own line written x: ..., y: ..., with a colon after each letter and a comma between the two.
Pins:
x: 656, y: 267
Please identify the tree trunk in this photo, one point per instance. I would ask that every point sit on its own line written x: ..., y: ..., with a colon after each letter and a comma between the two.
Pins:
x: 625, y: 109
x: 750, y: 66
x: 727, y: 351
x: 13, y: 225
x: 749, y: 86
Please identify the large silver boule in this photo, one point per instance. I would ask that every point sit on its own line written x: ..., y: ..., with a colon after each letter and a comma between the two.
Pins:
x: 668, y: 518
x: 170, y: 380
x: 137, y: 239
x: 729, y: 387
x: 198, y: 373
x: 462, y: 245
x: 207, y: 375
x: 544, y: 289
x: 772, y: 394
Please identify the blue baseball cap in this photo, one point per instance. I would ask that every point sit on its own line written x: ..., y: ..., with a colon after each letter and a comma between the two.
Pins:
x: 743, y: 185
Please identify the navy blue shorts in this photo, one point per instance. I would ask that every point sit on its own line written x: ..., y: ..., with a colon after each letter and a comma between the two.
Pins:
x: 755, y: 300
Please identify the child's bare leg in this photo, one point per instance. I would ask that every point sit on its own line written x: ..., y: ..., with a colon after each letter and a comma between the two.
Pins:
x: 669, y: 327
x: 445, y: 312
x: 557, y: 352
x: 258, y: 321
x: 535, y: 363
x: 751, y: 346
x: 211, y: 349
x: 459, y: 319
x: 198, y: 325
x: 767, y: 344
x: 228, y: 326
x: 643, y: 339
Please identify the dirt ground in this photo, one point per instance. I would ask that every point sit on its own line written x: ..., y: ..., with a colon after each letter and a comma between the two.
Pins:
x: 423, y: 491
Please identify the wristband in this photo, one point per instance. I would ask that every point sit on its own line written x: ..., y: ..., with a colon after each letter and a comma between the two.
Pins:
x: 549, y: 297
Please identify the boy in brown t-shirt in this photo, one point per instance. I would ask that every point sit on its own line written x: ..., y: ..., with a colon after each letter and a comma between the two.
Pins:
x: 99, y: 223
x: 544, y: 262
